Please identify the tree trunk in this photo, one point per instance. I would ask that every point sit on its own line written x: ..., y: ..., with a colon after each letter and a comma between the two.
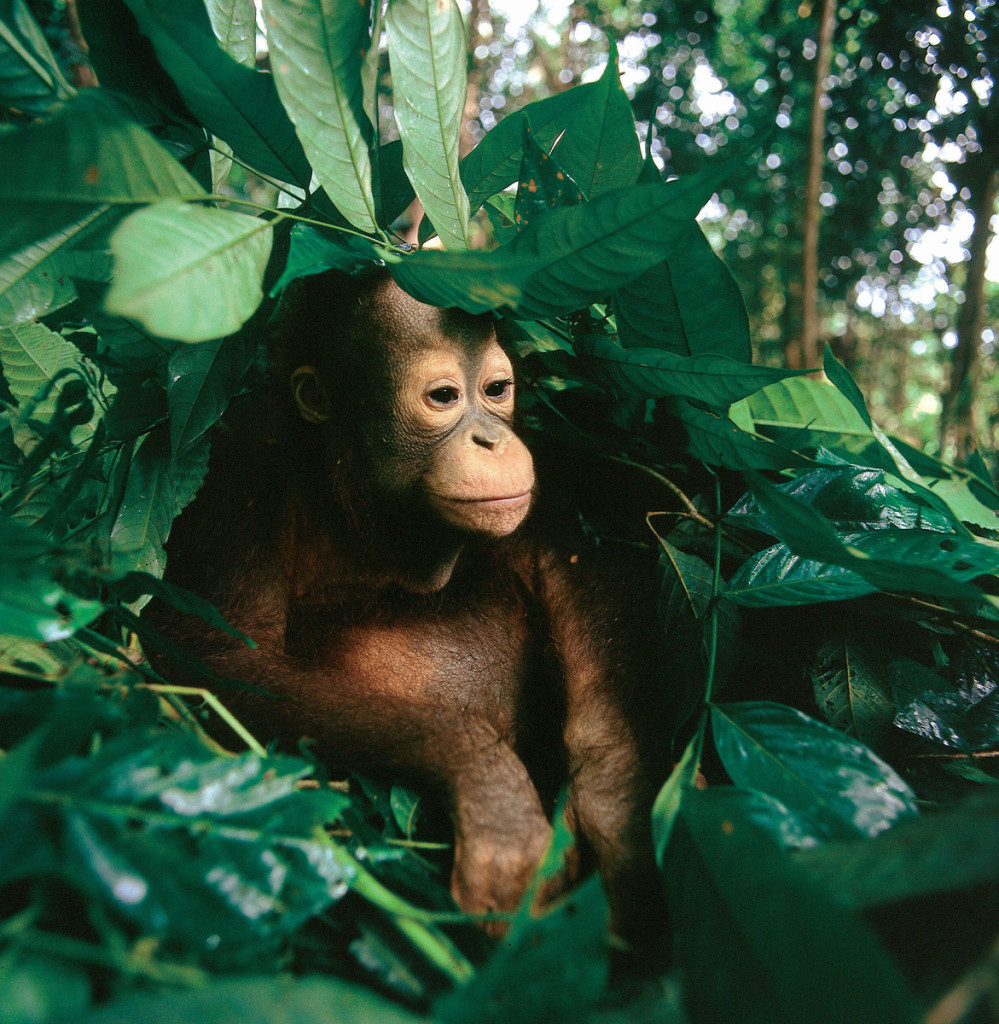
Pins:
x: 957, y: 429
x: 806, y: 351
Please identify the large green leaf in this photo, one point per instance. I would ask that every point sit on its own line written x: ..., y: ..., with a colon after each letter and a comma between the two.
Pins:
x: 426, y: 41
x: 891, y: 559
x: 954, y: 848
x: 189, y: 272
x: 54, y: 172
x: 852, y: 689
x: 757, y: 941
x: 776, y: 577
x: 156, y: 490
x: 234, y: 23
x: 853, y: 498
x: 652, y: 373
x: 568, y: 257
x: 715, y: 439
x: 495, y: 162
x: 202, y: 379
x: 233, y: 102
x: 688, y: 304
x: 804, y: 413
x: 810, y: 767
x: 317, y: 51
x: 38, y: 364
x: 38, y: 278
x: 33, y: 603
x: 600, y: 151
x: 30, y: 79
x: 268, y: 999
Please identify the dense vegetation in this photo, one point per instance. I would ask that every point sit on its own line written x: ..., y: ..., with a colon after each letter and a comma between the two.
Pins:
x: 831, y: 589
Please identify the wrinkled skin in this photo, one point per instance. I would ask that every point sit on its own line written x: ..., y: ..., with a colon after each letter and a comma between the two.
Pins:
x: 368, y: 527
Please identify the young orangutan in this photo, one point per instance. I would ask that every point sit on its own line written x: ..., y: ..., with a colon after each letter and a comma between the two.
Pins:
x: 366, y: 527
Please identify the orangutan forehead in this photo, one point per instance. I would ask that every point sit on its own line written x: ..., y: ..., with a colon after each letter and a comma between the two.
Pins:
x: 389, y: 311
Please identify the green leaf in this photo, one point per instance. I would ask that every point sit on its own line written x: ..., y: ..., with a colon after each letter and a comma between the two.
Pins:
x: 38, y: 279
x: 30, y: 79
x: 811, y: 768
x: 689, y: 304
x: 652, y: 373
x: 495, y: 162
x: 806, y: 414
x: 851, y: 688
x: 202, y: 380
x: 280, y: 999
x: 38, y: 364
x: 233, y: 102
x: 317, y: 52
x: 33, y: 604
x: 606, y: 156
x: 718, y: 441
x: 234, y: 23
x: 954, y: 848
x: 568, y: 258
x: 776, y: 577
x: 311, y: 252
x: 189, y: 272
x: 156, y: 490
x: 756, y: 940
x: 891, y: 559
x: 852, y: 498
x: 426, y: 43
x: 516, y: 986
x: 669, y: 799
x: 845, y: 384
x: 54, y: 172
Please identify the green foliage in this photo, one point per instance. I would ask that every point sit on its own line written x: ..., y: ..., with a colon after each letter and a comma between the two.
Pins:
x: 138, y: 858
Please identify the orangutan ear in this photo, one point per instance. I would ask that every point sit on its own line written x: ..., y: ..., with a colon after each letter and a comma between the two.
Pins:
x: 310, y: 396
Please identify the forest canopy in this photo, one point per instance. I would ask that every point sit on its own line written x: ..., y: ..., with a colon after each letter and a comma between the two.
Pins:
x: 649, y: 195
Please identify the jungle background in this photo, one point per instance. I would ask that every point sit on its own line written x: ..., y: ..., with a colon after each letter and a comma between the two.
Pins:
x: 826, y: 541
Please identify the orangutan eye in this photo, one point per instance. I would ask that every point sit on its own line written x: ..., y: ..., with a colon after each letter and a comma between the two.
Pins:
x: 444, y: 396
x: 498, y: 389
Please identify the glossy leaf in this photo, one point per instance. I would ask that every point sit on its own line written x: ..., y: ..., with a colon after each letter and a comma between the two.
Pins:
x: 189, y: 272
x: 757, y: 940
x: 426, y: 42
x: 852, y: 498
x: 317, y: 51
x: 653, y: 373
x: 810, y: 767
x: 953, y: 848
x: 851, y: 688
x: 891, y: 559
x: 58, y: 170
x: 777, y: 577
x: 30, y: 78
x: 311, y: 252
x: 222, y: 855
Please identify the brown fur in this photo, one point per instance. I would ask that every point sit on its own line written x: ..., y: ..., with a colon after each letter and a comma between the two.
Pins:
x: 492, y: 666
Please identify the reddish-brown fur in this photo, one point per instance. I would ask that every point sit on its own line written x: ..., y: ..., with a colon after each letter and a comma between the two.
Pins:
x: 487, y: 662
